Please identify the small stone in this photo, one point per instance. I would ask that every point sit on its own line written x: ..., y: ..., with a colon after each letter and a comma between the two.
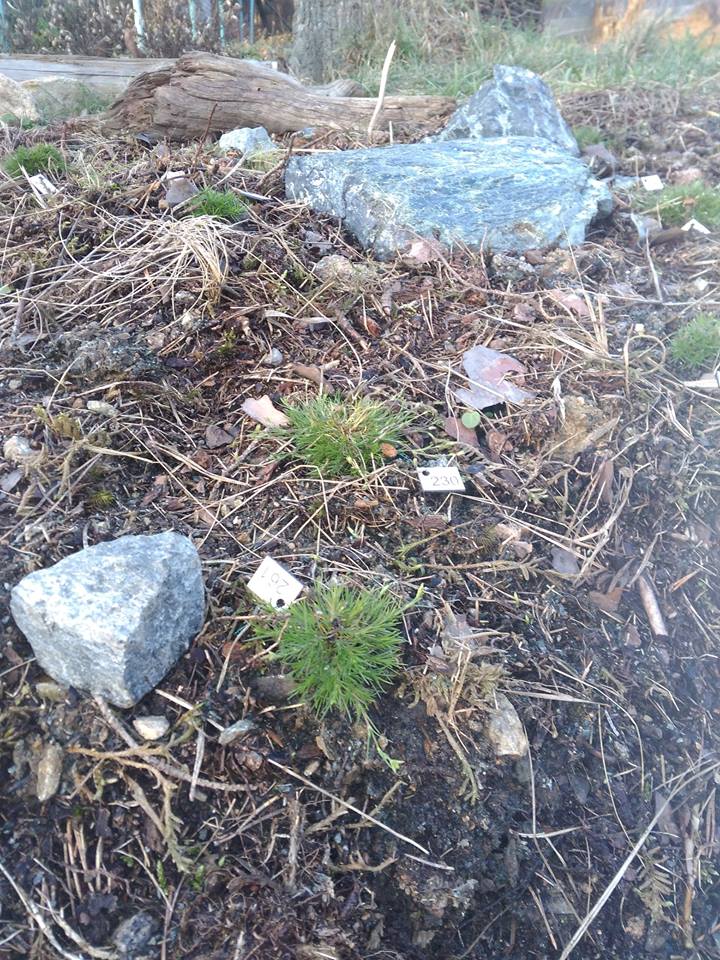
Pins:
x: 235, y: 731
x: 505, y: 730
x: 101, y: 407
x: 16, y: 449
x: 133, y: 936
x: 15, y: 100
x: 114, y: 618
x: 47, y: 690
x: 274, y: 358
x: 178, y: 189
x: 151, y: 728
x: 515, y: 103
x: 49, y: 771
x: 248, y: 141
x: 277, y: 688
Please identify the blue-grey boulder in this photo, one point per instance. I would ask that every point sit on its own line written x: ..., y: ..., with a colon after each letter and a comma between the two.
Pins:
x: 114, y: 618
x: 515, y: 103
x: 508, y: 193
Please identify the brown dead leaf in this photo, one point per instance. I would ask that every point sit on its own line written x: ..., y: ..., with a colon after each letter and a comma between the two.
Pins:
x: 489, y: 373
x: 159, y: 485
x: 311, y: 373
x: 263, y: 410
x: 607, y: 602
x: 605, y: 475
x: 388, y: 451
x: 216, y: 437
x: 372, y: 326
x: 455, y: 429
x: 498, y: 442
x: 571, y: 301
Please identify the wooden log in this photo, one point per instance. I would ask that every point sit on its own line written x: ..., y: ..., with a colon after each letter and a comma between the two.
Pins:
x: 203, y: 93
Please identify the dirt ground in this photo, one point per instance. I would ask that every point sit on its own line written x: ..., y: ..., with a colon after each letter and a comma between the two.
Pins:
x: 582, y: 506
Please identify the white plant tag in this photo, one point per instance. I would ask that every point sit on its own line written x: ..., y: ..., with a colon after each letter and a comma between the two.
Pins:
x: 652, y: 182
x: 41, y: 185
x: 272, y: 583
x: 441, y: 480
x: 694, y: 224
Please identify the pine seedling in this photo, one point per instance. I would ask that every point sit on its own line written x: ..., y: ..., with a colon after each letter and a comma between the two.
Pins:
x: 343, y: 437
x: 341, y: 646
x: 697, y: 344
x: 682, y: 202
x: 217, y: 203
x: 42, y: 158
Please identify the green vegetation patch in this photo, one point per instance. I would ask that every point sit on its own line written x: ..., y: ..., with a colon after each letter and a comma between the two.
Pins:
x: 217, y: 203
x: 697, y: 345
x: 678, y: 204
x: 42, y: 158
x: 341, y: 646
x: 344, y: 437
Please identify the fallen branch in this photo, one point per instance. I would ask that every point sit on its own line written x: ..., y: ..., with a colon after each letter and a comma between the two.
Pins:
x: 201, y: 92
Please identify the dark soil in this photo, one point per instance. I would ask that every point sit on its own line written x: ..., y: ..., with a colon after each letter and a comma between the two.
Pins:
x: 619, y: 720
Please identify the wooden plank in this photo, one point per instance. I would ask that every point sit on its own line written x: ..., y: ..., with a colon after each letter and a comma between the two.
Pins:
x: 115, y: 70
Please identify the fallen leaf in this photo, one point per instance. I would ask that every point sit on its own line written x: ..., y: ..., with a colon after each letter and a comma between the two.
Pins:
x: 372, y: 326
x: 388, y: 451
x: 455, y: 429
x: 571, y: 301
x: 498, y: 442
x: 263, y: 410
x: 425, y: 251
x: 159, y: 485
x: 488, y: 370
x: 216, y: 437
x: 524, y: 313
x: 605, y: 475
x: 564, y: 561
x: 178, y: 189
x: 607, y: 602
x: 312, y: 373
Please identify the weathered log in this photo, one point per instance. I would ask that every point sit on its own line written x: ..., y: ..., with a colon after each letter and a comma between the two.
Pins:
x: 203, y: 93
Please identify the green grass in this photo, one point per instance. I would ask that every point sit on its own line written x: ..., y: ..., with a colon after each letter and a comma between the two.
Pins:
x: 678, y: 204
x: 587, y: 136
x: 465, y: 49
x: 341, y: 646
x: 42, y: 158
x: 217, y: 203
x: 696, y: 346
x: 342, y: 437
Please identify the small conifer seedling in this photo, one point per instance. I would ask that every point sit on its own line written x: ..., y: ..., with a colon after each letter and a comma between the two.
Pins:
x: 217, y: 203
x: 42, y: 158
x: 341, y: 646
x: 342, y: 437
x: 697, y: 344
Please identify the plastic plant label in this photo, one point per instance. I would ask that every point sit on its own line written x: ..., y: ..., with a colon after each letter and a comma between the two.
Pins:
x: 41, y: 185
x: 652, y: 182
x: 694, y: 224
x: 441, y: 480
x: 272, y: 583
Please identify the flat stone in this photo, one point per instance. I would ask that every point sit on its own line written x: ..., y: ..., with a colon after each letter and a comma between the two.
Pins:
x: 15, y: 102
x: 247, y: 141
x: 505, y: 730
x: 114, y: 618
x: 515, y: 103
x: 151, y: 728
x: 509, y: 193
x: 49, y: 772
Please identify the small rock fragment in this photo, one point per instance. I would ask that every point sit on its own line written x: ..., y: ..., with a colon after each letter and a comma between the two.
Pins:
x: 101, y: 407
x: 505, y: 730
x: 132, y: 937
x: 248, y: 141
x: 274, y: 357
x: 235, y: 731
x: 151, y: 728
x: 178, y: 189
x: 49, y: 771
x: 114, y: 618
x: 16, y: 449
x: 47, y: 690
x: 276, y: 688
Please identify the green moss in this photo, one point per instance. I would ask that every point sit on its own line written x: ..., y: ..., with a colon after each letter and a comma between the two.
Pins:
x: 342, y: 437
x: 678, y: 204
x: 217, y: 203
x: 341, y: 646
x: 697, y: 345
x: 586, y: 136
x: 42, y: 158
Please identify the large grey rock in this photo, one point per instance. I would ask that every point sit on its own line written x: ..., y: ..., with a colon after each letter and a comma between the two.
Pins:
x: 114, y: 618
x: 509, y: 193
x: 515, y: 103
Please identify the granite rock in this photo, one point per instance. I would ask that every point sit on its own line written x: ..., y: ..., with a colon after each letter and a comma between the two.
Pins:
x: 508, y: 193
x: 515, y: 103
x: 114, y: 618
x: 248, y: 141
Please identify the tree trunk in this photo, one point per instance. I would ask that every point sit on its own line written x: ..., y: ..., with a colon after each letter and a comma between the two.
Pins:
x: 202, y: 93
x: 323, y: 30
